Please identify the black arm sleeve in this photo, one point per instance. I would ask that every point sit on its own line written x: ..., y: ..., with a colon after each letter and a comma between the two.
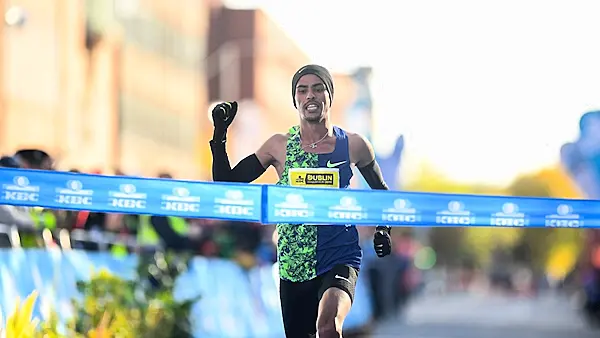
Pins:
x: 246, y: 171
x: 372, y: 174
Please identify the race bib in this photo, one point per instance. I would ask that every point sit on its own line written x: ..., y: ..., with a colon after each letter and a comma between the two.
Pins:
x: 314, y: 177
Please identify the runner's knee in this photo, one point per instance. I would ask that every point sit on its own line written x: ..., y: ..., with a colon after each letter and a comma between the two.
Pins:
x: 329, y: 327
x: 333, y: 310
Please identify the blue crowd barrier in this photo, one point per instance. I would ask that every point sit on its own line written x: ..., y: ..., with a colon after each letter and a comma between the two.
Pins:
x: 234, y: 302
x: 272, y: 204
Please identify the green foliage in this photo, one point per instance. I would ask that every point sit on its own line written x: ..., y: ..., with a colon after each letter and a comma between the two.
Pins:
x: 143, y: 307
x: 454, y: 245
x: 532, y: 246
x: 535, y: 245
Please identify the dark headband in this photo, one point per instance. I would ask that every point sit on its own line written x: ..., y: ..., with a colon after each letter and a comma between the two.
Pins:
x: 317, y: 70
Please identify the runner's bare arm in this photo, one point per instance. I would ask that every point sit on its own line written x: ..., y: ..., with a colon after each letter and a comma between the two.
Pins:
x: 364, y: 158
x: 248, y: 169
x: 266, y: 153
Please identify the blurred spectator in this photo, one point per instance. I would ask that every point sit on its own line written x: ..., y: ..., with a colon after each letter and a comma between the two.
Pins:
x: 12, y: 215
x: 34, y: 159
x: 165, y: 175
x: 500, y: 271
x: 68, y: 217
x: 247, y: 238
x: 97, y: 224
x: 42, y: 218
x: 388, y: 277
x: 267, y: 249
x: 9, y: 162
x: 171, y: 232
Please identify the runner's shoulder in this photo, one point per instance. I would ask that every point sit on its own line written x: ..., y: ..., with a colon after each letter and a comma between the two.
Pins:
x: 356, y: 138
x: 278, y: 139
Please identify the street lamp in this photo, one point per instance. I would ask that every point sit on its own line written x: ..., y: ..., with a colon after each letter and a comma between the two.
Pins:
x: 15, y: 16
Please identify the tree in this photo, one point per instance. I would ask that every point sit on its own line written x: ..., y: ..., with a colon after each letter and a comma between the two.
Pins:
x: 558, y: 183
x: 536, y: 245
x: 455, y: 245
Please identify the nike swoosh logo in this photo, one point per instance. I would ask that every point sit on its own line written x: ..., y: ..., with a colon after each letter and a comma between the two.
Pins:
x: 340, y: 277
x: 333, y: 165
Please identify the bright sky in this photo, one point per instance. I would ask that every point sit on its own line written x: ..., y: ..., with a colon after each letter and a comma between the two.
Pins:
x: 482, y: 90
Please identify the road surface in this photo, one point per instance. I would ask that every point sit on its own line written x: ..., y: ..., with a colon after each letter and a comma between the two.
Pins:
x: 470, y: 316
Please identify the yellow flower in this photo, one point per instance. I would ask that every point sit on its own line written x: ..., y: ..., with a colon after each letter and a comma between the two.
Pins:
x: 19, y: 324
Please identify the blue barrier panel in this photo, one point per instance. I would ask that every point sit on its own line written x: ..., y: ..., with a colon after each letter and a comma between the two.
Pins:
x: 234, y: 302
x: 272, y: 204
x: 63, y: 190
x: 328, y: 206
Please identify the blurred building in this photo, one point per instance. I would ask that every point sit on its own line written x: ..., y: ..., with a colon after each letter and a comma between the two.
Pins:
x: 43, y: 63
x: 106, y: 84
x: 162, y: 84
x: 252, y: 60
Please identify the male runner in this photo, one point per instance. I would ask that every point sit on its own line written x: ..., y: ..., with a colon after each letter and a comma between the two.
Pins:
x: 318, y: 265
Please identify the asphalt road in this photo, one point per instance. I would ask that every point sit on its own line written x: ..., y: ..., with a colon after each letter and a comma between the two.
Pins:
x: 470, y: 316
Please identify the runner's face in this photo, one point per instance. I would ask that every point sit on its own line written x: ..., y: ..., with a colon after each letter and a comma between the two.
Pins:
x: 312, y: 98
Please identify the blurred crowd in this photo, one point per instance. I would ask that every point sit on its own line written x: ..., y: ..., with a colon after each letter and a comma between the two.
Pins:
x: 248, y: 243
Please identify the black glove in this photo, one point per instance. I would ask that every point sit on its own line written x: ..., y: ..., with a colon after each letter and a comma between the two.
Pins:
x: 222, y: 115
x: 382, y: 241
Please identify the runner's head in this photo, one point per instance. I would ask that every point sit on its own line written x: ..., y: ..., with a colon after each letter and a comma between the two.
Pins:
x: 312, y: 92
